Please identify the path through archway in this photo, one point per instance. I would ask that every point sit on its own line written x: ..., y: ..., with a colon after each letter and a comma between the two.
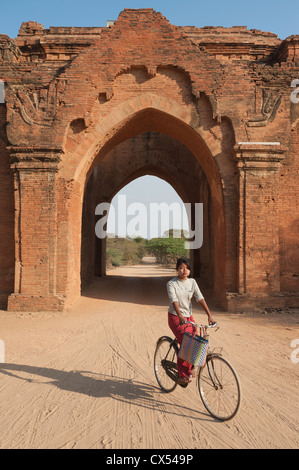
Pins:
x: 162, y: 155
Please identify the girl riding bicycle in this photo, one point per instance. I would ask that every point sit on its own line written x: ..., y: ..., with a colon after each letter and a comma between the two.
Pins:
x: 180, y: 292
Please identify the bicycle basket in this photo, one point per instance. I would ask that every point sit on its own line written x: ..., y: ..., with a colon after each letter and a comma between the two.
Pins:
x: 194, y: 349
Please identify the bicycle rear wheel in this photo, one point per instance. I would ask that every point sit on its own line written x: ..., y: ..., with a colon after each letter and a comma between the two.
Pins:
x: 165, y: 363
x: 219, y: 388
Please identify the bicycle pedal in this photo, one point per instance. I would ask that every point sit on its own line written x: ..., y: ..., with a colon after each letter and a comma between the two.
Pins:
x: 184, y: 385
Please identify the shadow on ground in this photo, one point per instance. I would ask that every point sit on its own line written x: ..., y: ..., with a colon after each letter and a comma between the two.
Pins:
x: 99, y: 386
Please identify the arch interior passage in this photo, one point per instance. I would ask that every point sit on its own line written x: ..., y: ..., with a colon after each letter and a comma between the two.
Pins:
x: 155, y: 154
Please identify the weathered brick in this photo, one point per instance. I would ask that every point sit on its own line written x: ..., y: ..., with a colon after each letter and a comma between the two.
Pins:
x: 89, y: 109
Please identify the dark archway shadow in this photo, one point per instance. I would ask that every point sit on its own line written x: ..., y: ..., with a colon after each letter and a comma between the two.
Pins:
x: 140, y: 290
x: 132, y: 289
x: 99, y: 385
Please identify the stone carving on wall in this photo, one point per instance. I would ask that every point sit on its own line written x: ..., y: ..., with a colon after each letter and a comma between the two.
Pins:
x: 271, y: 100
x: 39, y: 106
x: 9, y: 51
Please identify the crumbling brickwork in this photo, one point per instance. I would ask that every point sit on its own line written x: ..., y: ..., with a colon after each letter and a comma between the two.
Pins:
x: 207, y: 109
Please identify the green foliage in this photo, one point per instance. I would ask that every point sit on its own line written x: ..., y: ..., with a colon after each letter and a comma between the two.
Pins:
x: 167, y: 249
x: 121, y: 251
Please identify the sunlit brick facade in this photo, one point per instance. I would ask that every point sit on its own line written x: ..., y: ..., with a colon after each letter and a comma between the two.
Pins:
x: 209, y: 110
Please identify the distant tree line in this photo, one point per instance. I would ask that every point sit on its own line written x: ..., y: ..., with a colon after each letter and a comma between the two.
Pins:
x: 166, y: 249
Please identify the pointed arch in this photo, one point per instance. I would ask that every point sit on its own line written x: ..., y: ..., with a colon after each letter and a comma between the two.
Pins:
x: 173, y: 123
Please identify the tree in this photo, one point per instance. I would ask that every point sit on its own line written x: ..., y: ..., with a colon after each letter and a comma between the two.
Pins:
x: 167, y: 249
x: 120, y: 251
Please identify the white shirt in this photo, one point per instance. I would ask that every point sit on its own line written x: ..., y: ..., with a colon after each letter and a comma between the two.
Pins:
x: 182, y: 293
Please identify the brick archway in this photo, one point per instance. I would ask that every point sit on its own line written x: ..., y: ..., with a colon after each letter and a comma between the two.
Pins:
x: 63, y: 284
x: 157, y: 155
x: 150, y: 120
x: 222, y: 93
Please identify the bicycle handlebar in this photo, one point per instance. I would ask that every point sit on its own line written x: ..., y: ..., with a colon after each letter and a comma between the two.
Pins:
x: 202, y: 326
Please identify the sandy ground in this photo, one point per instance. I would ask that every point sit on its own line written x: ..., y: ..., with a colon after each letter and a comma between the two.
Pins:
x: 85, y: 379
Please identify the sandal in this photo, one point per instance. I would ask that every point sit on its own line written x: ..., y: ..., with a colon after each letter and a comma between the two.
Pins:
x: 183, y: 381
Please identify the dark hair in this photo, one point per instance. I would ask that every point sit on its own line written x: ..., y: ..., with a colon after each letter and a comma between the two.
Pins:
x: 182, y: 260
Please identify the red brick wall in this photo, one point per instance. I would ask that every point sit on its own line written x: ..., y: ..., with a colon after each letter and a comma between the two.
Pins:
x: 289, y: 217
x: 7, y: 239
x: 74, y: 95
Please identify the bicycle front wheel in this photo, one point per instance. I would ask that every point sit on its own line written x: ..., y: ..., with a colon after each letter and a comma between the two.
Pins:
x: 219, y: 388
x: 165, y: 363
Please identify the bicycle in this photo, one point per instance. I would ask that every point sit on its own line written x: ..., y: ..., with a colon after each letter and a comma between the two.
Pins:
x: 217, y: 381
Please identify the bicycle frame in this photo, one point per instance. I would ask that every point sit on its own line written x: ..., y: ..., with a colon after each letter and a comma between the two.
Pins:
x: 210, y: 363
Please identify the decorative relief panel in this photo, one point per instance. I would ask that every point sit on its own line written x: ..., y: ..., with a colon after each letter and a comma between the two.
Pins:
x: 39, y: 106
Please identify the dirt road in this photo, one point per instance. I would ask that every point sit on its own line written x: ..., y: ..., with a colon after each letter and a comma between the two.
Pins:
x: 84, y: 378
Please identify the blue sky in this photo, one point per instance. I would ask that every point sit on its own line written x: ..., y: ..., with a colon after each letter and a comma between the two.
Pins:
x: 277, y: 16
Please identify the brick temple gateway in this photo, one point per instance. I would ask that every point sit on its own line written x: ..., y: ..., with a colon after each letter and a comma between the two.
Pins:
x: 209, y: 110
